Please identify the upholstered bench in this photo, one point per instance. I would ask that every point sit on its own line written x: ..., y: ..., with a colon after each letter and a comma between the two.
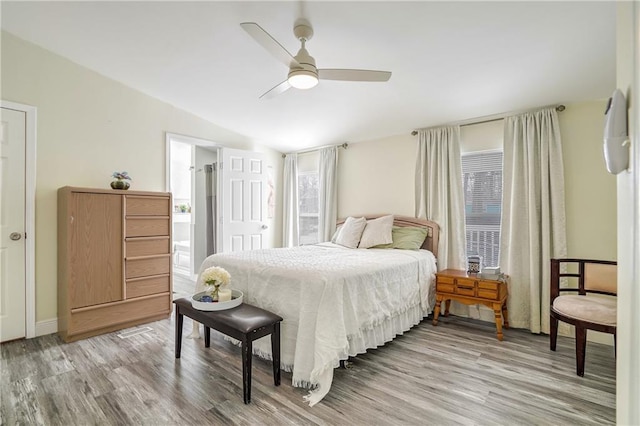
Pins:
x: 245, y: 323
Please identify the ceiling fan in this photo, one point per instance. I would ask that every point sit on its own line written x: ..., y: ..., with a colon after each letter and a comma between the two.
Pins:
x: 303, y: 73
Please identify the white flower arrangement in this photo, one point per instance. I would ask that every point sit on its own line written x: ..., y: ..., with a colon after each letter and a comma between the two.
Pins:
x: 214, y: 278
x: 215, y: 274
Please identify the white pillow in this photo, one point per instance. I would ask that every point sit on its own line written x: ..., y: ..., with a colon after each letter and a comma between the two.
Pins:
x: 351, y: 232
x: 335, y: 234
x: 377, y: 231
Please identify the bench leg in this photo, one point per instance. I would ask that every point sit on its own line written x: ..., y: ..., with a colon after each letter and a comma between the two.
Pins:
x: 247, y: 349
x: 275, y: 353
x: 207, y: 336
x: 179, y: 321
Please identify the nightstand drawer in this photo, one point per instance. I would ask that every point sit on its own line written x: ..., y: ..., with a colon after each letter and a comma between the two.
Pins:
x: 463, y: 290
x: 466, y: 282
x: 466, y: 287
x: 445, y: 287
x: 487, y: 294
x: 445, y: 280
x: 489, y: 285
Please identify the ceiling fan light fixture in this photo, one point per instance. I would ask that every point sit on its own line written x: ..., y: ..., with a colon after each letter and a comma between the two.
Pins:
x: 303, y: 73
x: 302, y: 79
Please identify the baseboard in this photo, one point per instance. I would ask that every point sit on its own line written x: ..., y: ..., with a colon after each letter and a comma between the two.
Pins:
x: 46, y: 327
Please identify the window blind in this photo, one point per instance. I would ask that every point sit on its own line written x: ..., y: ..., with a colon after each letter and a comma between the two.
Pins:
x: 482, y: 181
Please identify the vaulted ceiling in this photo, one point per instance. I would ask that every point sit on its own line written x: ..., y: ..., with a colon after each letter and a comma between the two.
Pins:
x: 450, y: 61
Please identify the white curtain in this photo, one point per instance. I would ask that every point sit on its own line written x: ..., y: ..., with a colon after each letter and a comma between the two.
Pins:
x: 328, y: 193
x: 439, y: 194
x: 533, y: 226
x: 290, y: 201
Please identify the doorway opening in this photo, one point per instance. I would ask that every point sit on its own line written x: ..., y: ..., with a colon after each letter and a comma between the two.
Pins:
x: 181, y: 224
x: 192, y: 179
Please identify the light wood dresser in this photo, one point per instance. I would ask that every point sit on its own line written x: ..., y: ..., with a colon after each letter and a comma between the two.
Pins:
x: 114, y: 260
x: 458, y: 285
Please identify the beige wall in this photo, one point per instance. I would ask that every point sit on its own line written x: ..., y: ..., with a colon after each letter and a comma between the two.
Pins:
x: 88, y: 127
x: 378, y: 177
x: 590, y: 190
x: 482, y: 136
x: 308, y: 162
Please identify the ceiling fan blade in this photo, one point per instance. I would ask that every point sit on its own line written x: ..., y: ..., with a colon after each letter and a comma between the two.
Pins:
x: 275, y: 91
x: 353, y: 75
x: 270, y: 44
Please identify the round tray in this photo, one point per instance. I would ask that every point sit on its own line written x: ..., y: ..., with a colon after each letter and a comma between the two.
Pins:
x: 236, y: 300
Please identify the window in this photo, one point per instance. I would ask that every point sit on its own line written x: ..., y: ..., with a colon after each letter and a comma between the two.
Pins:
x: 482, y: 183
x: 308, y: 207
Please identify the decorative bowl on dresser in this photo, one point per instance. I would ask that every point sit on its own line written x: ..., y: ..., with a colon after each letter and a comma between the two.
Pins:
x: 114, y: 260
x: 470, y: 289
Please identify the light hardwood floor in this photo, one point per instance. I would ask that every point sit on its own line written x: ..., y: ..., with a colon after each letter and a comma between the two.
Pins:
x: 455, y: 373
x: 182, y: 286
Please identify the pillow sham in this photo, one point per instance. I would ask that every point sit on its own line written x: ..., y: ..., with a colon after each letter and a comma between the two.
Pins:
x: 377, y: 231
x: 335, y: 234
x: 406, y: 238
x: 351, y: 232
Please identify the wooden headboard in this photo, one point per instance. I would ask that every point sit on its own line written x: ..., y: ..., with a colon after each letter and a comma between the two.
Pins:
x: 430, y: 243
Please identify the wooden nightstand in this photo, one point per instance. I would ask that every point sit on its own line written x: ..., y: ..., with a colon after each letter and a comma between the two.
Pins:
x: 458, y: 285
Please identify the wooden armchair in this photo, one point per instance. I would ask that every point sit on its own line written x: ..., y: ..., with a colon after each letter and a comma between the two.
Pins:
x: 582, y: 311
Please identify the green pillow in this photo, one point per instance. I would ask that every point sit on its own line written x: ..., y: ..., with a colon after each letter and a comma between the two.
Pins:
x: 406, y: 238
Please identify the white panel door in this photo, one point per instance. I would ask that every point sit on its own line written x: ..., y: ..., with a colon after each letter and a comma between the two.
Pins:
x: 244, y: 202
x: 12, y: 225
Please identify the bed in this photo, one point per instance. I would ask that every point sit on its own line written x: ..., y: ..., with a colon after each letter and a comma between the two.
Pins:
x: 336, y: 301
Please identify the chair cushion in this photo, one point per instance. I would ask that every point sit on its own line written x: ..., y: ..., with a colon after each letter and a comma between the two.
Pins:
x: 600, y: 310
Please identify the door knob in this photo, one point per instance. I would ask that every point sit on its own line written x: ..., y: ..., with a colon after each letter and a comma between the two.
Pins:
x: 15, y: 236
x: 264, y: 226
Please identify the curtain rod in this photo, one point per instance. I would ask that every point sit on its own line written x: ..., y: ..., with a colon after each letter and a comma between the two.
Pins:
x: 344, y: 145
x: 490, y: 118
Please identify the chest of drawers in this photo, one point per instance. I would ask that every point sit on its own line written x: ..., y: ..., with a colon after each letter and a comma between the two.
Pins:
x: 114, y: 260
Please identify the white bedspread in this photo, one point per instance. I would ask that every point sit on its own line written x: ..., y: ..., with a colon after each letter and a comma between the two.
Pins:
x: 336, y: 302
